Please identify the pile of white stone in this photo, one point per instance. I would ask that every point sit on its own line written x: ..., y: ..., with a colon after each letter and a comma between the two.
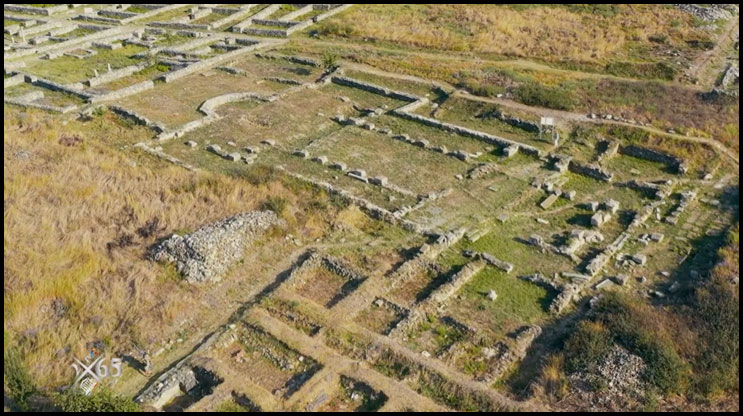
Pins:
x: 207, y: 253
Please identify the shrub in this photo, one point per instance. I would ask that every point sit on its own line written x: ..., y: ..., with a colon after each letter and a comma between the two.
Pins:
x: 19, y: 384
x: 329, y: 59
x: 101, y: 401
x: 584, y: 348
x: 276, y: 204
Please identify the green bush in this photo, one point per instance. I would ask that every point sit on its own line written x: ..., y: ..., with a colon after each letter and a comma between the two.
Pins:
x: 535, y: 94
x: 19, y: 383
x: 101, y: 401
x: 586, y: 345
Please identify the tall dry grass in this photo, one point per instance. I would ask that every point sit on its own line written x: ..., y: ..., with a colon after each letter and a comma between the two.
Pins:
x: 551, y: 33
x: 64, y: 204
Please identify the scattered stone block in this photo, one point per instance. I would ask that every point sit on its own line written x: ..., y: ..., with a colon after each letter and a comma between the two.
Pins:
x: 191, y: 143
x: 502, y: 218
x: 547, y: 202
x: 492, y: 295
x: 234, y: 157
x: 301, y: 153
x: 611, y: 205
x: 622, y: 279
x: 339, y: 165
x: 542, y: 221
x: 268, y: 142
x: 379, y: 180
x: 509, y: 151
x: 320, y: 159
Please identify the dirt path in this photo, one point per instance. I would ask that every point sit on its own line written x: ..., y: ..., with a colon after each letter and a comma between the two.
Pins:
x: 506, y: 64
x: 706, y: 80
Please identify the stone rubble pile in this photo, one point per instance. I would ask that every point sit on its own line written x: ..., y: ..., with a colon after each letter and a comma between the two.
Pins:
x: 207, y: 253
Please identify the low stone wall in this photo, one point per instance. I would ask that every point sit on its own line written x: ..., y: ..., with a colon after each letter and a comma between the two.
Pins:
x: 450, y: 288
x: 25, y: 103
x: 116, y: 14
x: 293, y: 59
x: 208, y: 107
x: 488, y: 138
x: 46, y: 11
x: 113, y: 75
x: 123, y: 92
x: 277, y: 33
x: 375, y: 89
x: 208, y: 63
x: 655, y: 156
x: 291, y: 16
x: 137, y: 118
x: 277, y: 23
x: 176, y: 25
x: 592, y: 171
x: 260, y: 15
x: 14, y: 80
x: 372, y: 209
x: 82, y: 42
x: 45, y: 83
x: 309, y: 22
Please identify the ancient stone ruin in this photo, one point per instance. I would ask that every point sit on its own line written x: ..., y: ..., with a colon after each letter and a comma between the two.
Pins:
x: 205, y: 254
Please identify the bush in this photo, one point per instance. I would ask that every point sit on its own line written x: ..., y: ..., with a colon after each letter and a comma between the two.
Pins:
x: 101, y: 401
x: 535, y: 94
x: 17, y: 380
x: 276, y: 204
x: 584, y: 348
x: 329, y: 59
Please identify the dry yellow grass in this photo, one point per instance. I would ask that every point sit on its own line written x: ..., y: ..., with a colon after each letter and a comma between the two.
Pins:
x: 63, y: 204
x: 552, y: 33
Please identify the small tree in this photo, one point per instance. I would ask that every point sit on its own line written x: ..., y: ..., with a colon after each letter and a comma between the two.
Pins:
x: 329, y: 60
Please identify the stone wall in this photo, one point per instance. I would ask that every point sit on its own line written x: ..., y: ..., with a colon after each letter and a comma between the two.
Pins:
x: 261, y: 14
x: 113, y: 75
x: 654, y: 155
x: 46, y: 11
x: 14, y: 80
x: 592, y: 171
x: 375, y: 89
x: 277, y: 23
x: 372, y: 209
x: 25, y: 103
x: 489, y: 138
x: 294, y: 59
x: 123, y: 92
x: 208, y: 63
x: 45, y: 83
x: 139, y: 119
